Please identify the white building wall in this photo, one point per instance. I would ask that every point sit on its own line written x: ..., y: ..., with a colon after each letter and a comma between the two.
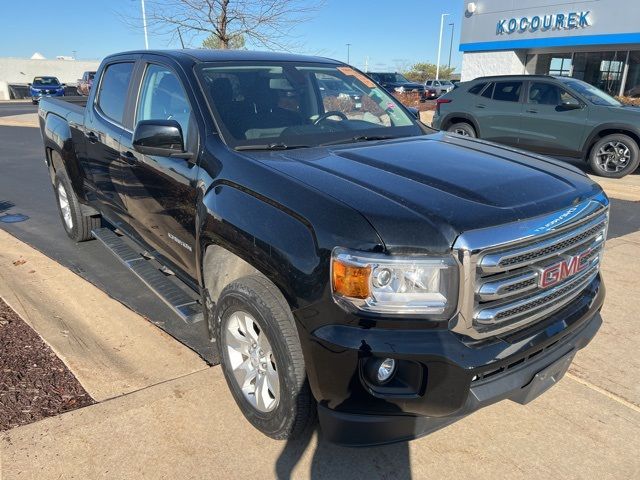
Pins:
x: 480, y: 64
x: 22, y: 71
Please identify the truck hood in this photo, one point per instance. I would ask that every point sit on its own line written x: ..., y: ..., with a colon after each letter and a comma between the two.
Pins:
x: 420, y: 193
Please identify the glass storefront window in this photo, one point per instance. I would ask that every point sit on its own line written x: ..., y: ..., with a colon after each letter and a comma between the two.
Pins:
x: 550, y: 64
x: 601, y: 69
x: 632, y: 87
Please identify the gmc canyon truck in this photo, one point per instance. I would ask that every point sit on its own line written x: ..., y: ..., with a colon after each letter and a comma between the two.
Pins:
x: 349, y: 261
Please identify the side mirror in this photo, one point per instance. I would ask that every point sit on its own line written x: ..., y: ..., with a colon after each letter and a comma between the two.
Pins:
x: 63, y: 84
x: 160, y: 137
x: 28, y: 84
x: 565, y: 107
x: 414, y: 111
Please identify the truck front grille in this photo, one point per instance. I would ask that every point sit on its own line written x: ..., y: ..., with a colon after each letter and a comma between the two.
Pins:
x: 504, y: 283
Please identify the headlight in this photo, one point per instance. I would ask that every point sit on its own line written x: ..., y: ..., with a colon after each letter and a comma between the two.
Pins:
x: 398, y: 285
x: 399, y: 89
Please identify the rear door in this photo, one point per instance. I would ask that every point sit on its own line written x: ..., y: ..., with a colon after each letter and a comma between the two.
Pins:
x: 161, y: 193
x: 104, y: 125
x: 554, y: 121
x: 498, y: 111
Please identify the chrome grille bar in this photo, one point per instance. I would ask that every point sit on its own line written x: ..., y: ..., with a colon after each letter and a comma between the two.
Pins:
x: 529, y: 305
x: 550, y: 247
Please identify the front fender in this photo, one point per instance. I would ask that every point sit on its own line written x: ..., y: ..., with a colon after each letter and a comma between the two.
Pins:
x: 266, y: 235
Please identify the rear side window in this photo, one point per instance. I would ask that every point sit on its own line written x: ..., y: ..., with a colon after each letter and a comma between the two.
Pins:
x: 507, y: 91
x: 488, y: 92
x: 114, y: 85
x: 476, y: 89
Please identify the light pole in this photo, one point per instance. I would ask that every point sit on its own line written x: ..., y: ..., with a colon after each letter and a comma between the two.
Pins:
x: 348, y: 52
x: 450, y: 45
x: 440, y: 43
x: 144, y: 25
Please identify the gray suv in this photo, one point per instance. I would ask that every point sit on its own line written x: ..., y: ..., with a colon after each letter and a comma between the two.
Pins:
x: 557, y: 116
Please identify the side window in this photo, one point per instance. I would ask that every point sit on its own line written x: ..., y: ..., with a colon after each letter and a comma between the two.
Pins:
x: 543, y: 93
x: 163, y: 98
x: 114, y: 85
x: 507, y: 91
x: 488, y: 92
x: 476, y: 89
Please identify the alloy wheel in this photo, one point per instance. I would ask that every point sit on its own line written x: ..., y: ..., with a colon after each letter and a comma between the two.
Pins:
x: 613, y: 156
x: 65, y: 208
x: 252, y: 361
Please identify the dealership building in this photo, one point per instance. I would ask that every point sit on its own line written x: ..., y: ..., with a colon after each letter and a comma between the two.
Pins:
x: 597, y: 41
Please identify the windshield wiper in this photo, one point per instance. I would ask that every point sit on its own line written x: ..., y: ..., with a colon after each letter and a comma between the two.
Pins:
x: 270, y: 146
x: 360, y: 138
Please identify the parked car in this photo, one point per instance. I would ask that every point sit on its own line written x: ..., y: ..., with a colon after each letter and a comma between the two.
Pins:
x: 330, y: 87
x: 558, y: 116
x: 84, y: 83
x: 389, y: 276
x: 440, y: 86
x: 45, y: 87
x: 398, y: 83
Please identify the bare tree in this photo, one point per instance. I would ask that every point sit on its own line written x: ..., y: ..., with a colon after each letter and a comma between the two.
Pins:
x: 228, y: 23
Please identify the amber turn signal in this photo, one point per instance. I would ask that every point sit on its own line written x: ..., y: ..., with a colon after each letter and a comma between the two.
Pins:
x: 350, y: 280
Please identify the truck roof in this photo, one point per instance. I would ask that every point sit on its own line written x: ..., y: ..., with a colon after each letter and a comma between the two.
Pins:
x: 208, y: 55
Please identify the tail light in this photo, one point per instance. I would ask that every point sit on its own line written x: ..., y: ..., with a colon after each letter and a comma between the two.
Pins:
x: 440, y: 101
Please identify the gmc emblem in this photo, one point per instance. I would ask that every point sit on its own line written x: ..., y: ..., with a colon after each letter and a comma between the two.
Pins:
x: 564, y: 269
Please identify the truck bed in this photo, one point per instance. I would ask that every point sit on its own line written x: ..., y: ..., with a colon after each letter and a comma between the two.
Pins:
x: 69, y: 108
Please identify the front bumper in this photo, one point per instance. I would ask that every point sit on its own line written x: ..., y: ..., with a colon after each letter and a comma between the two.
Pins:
x: 456, y: 378
x: 36, y: 95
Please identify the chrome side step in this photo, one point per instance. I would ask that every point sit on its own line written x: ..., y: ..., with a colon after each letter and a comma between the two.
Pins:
x: 185, y: 305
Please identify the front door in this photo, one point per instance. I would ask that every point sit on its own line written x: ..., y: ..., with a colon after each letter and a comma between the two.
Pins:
x: 554, y: 121
x: 161, y: 193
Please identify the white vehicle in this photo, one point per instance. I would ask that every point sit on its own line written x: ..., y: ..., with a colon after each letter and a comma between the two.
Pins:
x: 440, y: 86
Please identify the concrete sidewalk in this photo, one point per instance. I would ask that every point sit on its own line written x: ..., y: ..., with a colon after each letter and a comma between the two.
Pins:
x: 110, y: 349
x: 191, y: 428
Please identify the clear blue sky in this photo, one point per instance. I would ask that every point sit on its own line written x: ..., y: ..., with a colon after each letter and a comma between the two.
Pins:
x: 390, y: 37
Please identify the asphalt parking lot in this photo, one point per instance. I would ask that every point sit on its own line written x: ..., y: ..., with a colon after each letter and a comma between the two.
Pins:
x: 588, y: 426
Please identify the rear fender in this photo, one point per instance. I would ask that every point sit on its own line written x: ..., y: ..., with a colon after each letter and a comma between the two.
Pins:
x: 59, y: 140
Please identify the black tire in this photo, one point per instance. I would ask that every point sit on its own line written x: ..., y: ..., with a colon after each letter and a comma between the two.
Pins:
x: 80, y: 226
x: 462, y: 128
x: 614, y: 164
x: 296, y: 409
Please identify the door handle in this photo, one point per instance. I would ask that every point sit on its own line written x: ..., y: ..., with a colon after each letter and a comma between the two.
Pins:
x: 129, y: 157
x: 532, y: 111
x: 92, y: 137
x: 480, y: 105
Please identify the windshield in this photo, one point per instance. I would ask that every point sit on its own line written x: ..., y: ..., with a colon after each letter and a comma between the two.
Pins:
x: 446, y: 83
x: 291, y: 105
x: 591, y: 93
x: 46, y: 81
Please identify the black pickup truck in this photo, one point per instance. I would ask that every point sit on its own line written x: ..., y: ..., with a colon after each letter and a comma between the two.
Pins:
x: 347, y: 259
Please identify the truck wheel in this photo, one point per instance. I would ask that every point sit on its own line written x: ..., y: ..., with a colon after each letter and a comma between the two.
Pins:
x: 614, y: 156
x: 262, y: 359
x: 77, y: 225
x: 462, y: 128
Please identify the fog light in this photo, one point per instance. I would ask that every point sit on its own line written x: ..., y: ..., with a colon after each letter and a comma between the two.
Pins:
x: 386, y: 370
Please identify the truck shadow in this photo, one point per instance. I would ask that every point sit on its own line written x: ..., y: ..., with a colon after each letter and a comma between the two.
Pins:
x: 334, y: 462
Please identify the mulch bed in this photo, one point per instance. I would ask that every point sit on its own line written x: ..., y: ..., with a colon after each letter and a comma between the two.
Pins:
x: 34, y: 383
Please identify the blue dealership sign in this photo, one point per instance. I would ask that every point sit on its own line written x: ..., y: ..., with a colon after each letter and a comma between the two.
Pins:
x: 542, y: 23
